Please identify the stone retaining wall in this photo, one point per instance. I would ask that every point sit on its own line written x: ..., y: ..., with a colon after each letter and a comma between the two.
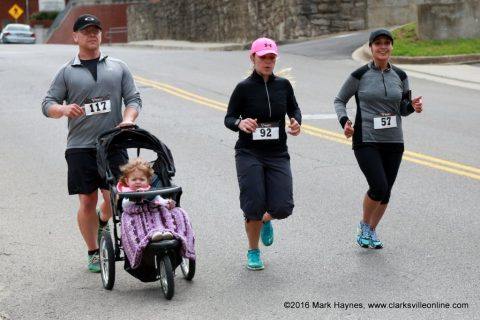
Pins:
x: 244, y: 20
x: 240, y: 21
x: 449, y: 20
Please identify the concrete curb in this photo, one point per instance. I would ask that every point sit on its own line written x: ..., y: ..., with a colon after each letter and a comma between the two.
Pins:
x: 363, y: 54
x: 193, y: 46
x: 184, y: 45
x: 461, y: 58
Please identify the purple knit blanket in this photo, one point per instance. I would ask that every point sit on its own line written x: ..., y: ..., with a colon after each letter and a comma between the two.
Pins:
x: 140, y: 221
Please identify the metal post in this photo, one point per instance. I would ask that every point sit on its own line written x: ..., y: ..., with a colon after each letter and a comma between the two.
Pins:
x: 27, y: 13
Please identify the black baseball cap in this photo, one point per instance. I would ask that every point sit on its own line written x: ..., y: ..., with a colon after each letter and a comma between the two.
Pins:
x: 86, y: 20
x: 379, y: 32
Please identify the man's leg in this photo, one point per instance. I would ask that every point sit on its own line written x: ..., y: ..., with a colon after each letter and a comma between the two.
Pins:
x: 88, y: 220
x: 105, y: 206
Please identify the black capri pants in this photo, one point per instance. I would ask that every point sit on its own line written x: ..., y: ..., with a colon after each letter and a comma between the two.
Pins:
x: 380, y: 166
x: 265, y: 181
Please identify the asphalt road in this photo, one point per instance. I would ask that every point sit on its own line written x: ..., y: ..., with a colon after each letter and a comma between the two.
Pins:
x: 314, y: 267
x: 339, y: 47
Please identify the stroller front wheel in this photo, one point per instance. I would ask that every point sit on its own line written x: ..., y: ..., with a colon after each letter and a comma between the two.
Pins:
x: 166, y: 276
x: 107, y: 261
x: 188, y: 268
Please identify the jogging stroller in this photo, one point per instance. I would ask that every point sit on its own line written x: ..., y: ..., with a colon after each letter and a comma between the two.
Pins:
x: 160, y: 258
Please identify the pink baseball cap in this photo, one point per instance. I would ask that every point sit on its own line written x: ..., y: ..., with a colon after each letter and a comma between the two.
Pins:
x: 263, y: 46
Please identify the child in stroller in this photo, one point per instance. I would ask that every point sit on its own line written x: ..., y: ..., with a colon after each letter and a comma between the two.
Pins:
x: 145, y: 220
x: 157, y: 259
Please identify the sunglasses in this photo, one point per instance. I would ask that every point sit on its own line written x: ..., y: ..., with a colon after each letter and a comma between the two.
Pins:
x: 94, y: 31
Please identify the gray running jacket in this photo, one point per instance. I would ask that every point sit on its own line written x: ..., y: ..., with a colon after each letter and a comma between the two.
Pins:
x: 377, y: 94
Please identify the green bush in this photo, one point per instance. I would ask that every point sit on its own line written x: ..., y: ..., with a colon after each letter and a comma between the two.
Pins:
x: 44, y: 15
x: 407, y: 44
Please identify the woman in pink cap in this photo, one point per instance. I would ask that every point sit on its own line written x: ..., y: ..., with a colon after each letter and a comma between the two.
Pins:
x: 257, y: 110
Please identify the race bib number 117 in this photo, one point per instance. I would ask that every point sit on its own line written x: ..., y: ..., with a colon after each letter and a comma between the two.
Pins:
x: 97, y: 105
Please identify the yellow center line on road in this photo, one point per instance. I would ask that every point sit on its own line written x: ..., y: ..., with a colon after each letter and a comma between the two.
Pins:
x: 307, y: 129
x: 183, y: 94
x: 408, y: 155
x: 411, y: 156
x: 448, y: 163
x: 443, y: 168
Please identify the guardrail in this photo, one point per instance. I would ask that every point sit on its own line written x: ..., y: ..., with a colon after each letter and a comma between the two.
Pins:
x: 115, y: 30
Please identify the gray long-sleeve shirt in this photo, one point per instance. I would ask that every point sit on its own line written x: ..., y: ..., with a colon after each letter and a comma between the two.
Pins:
x: 377, y: 94
x: 74, y: 83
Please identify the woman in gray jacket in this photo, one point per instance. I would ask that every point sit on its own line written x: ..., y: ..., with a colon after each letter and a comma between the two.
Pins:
x: 382, y: 96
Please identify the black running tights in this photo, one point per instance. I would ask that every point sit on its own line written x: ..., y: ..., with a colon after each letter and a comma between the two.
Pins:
x: 380, y: 168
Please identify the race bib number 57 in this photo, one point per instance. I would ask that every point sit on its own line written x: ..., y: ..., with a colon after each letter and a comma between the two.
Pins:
x: 97, y: 105
x: 385, y: 122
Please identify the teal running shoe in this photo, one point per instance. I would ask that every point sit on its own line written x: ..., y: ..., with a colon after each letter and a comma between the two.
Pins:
x: 101, y: 228
x: 266, y: 233
x: 94, y: 262
x: 375, y: 243
x: 363, y: 235
x: 254, y: 262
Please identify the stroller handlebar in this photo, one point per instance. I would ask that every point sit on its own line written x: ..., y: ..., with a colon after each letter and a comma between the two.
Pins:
x: 152, y: 192
x: 110, y: 131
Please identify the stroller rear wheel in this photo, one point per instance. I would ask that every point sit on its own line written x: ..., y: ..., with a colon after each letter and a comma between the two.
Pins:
x: 166, y: 276
x: 107, y: 261
x: 188, y: 268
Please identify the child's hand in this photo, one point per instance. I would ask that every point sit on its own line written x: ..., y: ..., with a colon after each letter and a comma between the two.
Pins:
x: 171, y: 204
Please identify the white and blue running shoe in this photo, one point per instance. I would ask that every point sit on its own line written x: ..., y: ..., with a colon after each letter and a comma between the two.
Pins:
x: 375, y: 243
x: 363, y: 235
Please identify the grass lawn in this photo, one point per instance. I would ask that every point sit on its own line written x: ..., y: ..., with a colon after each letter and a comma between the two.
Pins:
x: 406, y: 43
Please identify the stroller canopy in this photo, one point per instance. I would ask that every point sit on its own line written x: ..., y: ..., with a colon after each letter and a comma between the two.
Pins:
x: 119, y: 139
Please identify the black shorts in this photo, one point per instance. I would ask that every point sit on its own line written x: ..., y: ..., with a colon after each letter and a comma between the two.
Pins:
x: 83, y: 177
x: 265, y: 181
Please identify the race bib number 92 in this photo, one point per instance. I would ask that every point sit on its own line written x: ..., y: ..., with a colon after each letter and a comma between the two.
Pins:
x: 266, y: 131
